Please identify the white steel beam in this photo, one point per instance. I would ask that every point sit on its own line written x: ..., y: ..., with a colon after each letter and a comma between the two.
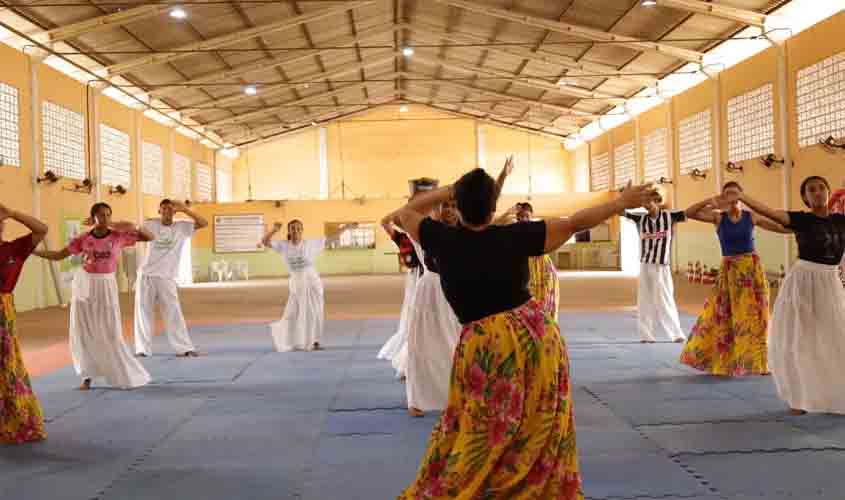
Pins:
x: 541, y: 56
x: 274, y: 89
x: 117, y: 19
x: 743, y: 16
x: 229, y: 39
x: 576, y: 30
x: 245, y: 118
x: 567, y: 91
x: 265, y: 64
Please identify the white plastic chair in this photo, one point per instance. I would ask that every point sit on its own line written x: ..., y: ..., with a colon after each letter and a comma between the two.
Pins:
x: 218, y: 270
x: 240, y: 269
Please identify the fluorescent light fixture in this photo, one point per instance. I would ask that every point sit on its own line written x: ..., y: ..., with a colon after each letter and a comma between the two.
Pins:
x: 250, y: 90
x: 178, y: 13
x: 403, y: 109
x: 408, y: 51
x: 648, y: 3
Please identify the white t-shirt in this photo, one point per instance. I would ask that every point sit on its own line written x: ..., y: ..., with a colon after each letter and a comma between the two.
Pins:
x: 299, y: 257
x: 164, y: 251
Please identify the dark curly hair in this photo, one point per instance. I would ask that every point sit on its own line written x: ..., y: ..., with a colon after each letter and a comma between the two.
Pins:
x: 476, y: 196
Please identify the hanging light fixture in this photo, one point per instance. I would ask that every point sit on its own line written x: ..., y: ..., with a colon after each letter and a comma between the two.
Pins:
x: 178, y: 13
x: 250, y: 90
x: 408, y: 51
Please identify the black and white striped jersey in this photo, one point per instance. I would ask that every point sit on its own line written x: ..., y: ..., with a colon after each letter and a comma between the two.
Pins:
x: 656, y: 234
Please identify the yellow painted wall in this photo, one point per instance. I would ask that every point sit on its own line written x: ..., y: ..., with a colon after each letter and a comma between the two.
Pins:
x: 373, y: 155
x: 56, y: 202
x: 315, y: 213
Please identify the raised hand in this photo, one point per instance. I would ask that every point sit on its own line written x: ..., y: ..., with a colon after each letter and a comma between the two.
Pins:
x: 637, y: 196
x: 89, y: 221
x: 508, y: 169
x: 724, y: 201
x: 178, y: 206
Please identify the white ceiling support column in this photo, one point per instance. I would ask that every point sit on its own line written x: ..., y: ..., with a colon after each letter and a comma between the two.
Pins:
x: 230, y: 39
x: 743, y: 16
x: 576, y: 30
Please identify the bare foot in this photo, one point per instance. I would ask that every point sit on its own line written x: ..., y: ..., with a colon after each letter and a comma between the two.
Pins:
x: 415, y: 412
x: 797, y: 412
x: 680, y: 340
x: 86, y: 385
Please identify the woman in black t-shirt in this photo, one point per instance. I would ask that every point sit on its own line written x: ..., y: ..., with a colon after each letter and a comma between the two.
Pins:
x: 508, y: 428
x: 806, y: 345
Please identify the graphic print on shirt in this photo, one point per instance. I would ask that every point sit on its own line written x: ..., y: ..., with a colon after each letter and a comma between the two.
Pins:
x: 656, y: 235
x: 93, y: 256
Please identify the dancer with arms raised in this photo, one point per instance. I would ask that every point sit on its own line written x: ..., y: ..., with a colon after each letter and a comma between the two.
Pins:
x: 508, y: 429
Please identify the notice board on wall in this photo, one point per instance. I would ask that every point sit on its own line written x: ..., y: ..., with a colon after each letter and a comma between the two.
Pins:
x: 238, y: 233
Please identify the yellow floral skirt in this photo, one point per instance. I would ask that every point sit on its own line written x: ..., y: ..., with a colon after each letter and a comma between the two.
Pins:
x: 544, y: 284
x: 730, y: 337
x: 508, y: 432
x: 21, y: 419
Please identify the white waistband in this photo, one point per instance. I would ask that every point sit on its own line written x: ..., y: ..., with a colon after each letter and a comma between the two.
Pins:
x: 97, y: 276
x: 814, y: 266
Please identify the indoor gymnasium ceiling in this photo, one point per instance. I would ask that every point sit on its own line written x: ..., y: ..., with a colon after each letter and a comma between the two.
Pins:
x: 545, y: 66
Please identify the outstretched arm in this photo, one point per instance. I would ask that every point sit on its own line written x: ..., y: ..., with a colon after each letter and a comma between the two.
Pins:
x: 129, y: 227
x: 768, y: 225
x: 412, y: 214
x: 506, y: 218
x: 779, y: 216
x: 200, y: 222
x: 266, y: 240
x: 702, y: 211
x: 62, y: 254
x: 558, y: 231
x: 38, y: 228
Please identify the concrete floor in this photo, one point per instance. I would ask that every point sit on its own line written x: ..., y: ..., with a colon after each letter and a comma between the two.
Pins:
x: 245, y: 422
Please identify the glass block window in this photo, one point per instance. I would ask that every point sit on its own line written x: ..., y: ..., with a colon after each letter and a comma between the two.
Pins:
x: 624, y: 165
x: 63, y: 136
x: 152, y: 165
x: 751, y: 124
x: 600, y: 173
x: 181, y: 188
x: 204, y: 190
x: 821, y: 109
x: 10, y: 144
x: 695, y: 142
x: 115, y: 157
x: 656, y: 155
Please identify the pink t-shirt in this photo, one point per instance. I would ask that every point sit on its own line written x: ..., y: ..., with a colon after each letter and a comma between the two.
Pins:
x: 99, y: 255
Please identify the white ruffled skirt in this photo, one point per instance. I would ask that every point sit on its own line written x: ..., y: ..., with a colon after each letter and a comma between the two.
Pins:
x: 807, y: 343
x: 399, y: 339
x: 96, y: 333
x: 302, y: 321
x: 433, y: 334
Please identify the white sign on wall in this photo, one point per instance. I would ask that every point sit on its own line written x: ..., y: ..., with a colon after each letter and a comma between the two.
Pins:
x: 238, y: 233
